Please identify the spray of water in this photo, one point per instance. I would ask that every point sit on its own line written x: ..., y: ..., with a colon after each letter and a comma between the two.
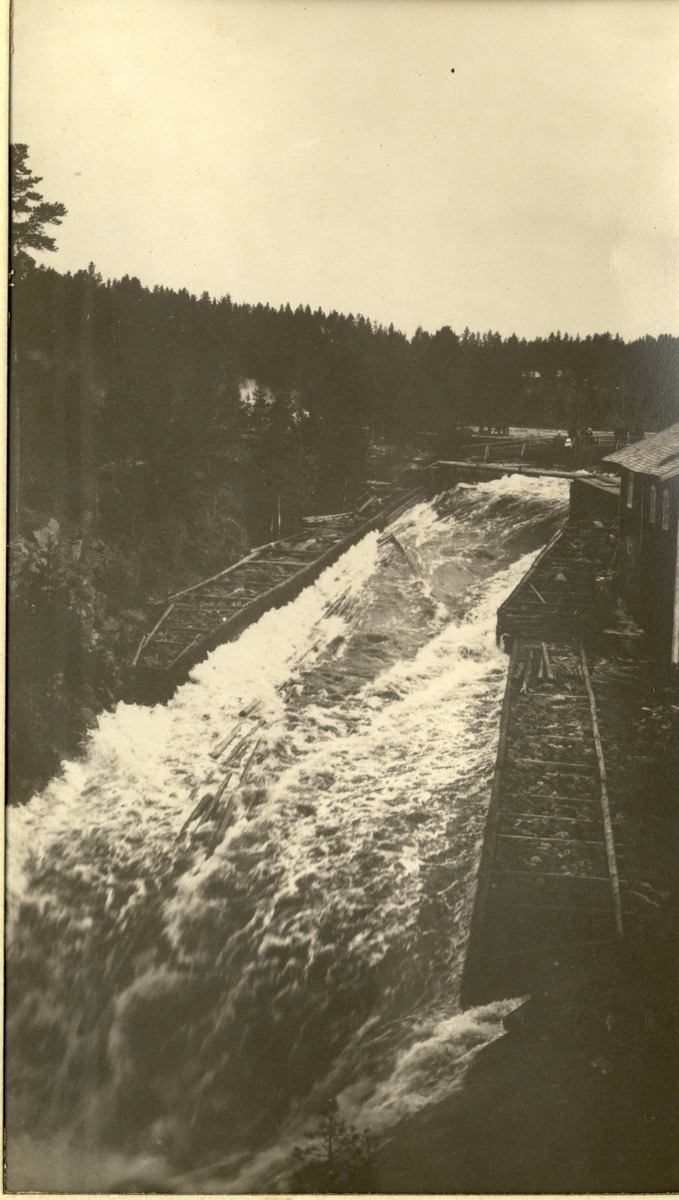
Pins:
x: 180, y: 1003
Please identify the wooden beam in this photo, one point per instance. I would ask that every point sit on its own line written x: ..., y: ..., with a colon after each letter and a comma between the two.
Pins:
x: 473, y: 959
x: 506, y: 469
x: 147, y: 638
x: 533, y: 568
x: 265, y: 599
x: 566, y: 876
x: 227, y: 571
x: 548, y: 665
x: 556, y: 841
x: 605, y: 809
x: 545, y: 816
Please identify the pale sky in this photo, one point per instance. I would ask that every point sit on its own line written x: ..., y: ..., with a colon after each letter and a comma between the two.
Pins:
x: 324, y: 152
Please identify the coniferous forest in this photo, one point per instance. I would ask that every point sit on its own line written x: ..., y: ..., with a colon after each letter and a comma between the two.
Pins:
x: 156, y: 435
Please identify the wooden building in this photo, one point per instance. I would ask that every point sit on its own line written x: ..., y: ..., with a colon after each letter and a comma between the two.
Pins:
x: 594, y: 497
x: 649, y: 533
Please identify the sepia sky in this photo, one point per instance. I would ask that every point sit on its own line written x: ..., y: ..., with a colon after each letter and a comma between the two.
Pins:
x: 324, y: 152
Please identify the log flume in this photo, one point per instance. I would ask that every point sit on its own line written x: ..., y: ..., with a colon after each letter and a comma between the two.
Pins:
x: 553, y: 874
x: 560, y: 595
x: 197, y: 619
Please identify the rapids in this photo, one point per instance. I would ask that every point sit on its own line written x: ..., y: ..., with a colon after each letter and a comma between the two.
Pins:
x: 177, y: 1012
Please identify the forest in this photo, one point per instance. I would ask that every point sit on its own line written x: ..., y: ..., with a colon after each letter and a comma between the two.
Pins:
x: 155, y: 435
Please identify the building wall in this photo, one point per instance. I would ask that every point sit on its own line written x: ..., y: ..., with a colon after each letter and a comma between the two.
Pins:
x: 648, y: 554
x: 590, y: 502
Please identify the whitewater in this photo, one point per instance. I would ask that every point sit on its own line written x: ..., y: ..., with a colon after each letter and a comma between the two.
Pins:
x: 179, y: 1009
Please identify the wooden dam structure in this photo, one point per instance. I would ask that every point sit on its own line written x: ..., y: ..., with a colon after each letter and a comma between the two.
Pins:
x: 197, y: 619
x: 554, y: 876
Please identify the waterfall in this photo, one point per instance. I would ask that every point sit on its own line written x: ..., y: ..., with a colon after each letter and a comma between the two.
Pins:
x: 180, y: 1003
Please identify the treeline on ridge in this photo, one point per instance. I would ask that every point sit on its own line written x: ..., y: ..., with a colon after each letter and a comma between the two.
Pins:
x: 107, y: 374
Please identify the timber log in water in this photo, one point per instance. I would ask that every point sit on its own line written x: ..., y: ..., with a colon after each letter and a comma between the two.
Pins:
x: 199, y: 618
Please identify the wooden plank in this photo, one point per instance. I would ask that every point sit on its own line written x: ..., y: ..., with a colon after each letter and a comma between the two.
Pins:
x: 288, y: 562
x: 145, y: 640
x: 548, y: 762
x: 506, y: 468
x: 185, y: 650
x: 326, y: 517
x: 566, y: 876
x: 528, y: 816
x: 227, y: 571
x: 263, y: 600
x: 593, y: 803
x: 605, y: 809
x: 548, y: 665
x: 556, y: 841
x: 564, y: 908
x: 557, y: 737
x: 527, y: 672
x: 474, y: 952
x: 533, y: 568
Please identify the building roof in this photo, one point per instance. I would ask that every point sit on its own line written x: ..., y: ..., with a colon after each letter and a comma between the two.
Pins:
x: 657, y: 455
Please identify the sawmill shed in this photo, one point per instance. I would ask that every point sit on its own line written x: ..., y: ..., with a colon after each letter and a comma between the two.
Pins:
x: 649, y: 533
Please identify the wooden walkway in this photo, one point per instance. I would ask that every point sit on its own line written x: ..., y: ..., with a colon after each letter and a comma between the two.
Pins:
x: 553, y: 875
x: 552, y: 872
x: 560, y: 596
x: 194, y: 621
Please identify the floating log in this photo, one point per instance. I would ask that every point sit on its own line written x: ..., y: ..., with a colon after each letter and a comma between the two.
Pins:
x: 197, y: 811
x: 246, y: 768
x: 227, y: 740
x: 238, y: 748
x: 222, y: 826
x: 222, y: 787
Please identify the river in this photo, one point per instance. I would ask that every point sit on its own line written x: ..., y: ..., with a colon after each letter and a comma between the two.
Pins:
x: 179, y: 1010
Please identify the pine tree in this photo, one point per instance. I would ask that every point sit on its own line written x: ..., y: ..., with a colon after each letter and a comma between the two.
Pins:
x: 30, y: 213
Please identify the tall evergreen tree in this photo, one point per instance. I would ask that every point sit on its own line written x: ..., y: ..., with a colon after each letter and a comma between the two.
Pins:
x: 30, y: 212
